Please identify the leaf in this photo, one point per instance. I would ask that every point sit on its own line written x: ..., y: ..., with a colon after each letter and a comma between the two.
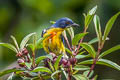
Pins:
x: 102, y: 62
x: 56, y: 72
x: 86, y: 73
x: 109, y: 26
x: 40, y: 58
x: 15, y: 42
x: 82, y: 56
x: 71, y: 32
x: 10, y: 46
x: 56, y: 65
x: 25, y: 40
x: 89, y: 16
x: 97, y: 27
x: 109, y: 51
x: 80, y: 77
x: 28, y: 65
x: 67, y: 50
x: 89, y: 48
x: 77, y: 38
x: 94, y: 40
x: 9, y: 71
x: 81, y: 67
x: 42, y: 69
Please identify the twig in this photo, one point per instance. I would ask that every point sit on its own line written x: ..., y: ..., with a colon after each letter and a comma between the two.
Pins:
x: 100, y: 46
x: 81, y: 41
x: 68, y: 44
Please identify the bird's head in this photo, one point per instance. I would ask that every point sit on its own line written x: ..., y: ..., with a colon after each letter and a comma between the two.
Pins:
x: 64, y: 23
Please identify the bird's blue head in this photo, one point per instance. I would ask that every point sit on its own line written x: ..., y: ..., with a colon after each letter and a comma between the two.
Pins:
x: 64, y: 23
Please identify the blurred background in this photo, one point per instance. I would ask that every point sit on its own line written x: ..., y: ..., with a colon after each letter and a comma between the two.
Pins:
x: 21, y: 17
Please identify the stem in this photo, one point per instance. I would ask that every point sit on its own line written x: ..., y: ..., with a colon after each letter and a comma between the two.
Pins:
x: 81, y: 40
x: 69, y: 74
x: 33, y: 61
x: 68, y: 44
x: 95, y: 59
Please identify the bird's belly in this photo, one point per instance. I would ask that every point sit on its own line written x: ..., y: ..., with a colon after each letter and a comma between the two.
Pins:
x: 54, y: 45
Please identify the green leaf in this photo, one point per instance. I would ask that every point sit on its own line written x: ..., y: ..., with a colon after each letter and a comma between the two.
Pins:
x: 81, y: 67
x: 97, y: 27
x: 40, y: 58
x: 28, y: 65
x: 10, y: 46
x: 102, y: 62
x: 109, y: 25
x: 77, y: 38
x: 71, y: 32
x: 109, y: 51
x: 94, y: 40
x: 25, y: 40
x: 89, y: 16
x: 80, y: 77
x: 86, y: 73
x: 9, y: 71
x: 67, y: 50
x: 42, y: 69
x: 89, y: 48
x: 81, y: 56
x: 15, y: 42
x: 56, y: 72
x: 56, y: 65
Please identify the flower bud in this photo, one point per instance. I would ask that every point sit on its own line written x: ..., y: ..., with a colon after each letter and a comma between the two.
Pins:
x: 21, y: 62
x: 25, y: 51
x: 73, y: 61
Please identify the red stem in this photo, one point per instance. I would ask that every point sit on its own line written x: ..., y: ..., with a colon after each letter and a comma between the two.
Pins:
x: 68, y: 44
x: 80, y: 41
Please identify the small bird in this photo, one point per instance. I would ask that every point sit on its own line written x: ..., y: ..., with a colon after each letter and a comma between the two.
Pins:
x: 54, y: 42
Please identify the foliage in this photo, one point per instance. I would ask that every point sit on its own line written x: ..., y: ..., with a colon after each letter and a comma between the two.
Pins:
x: 52, y: 66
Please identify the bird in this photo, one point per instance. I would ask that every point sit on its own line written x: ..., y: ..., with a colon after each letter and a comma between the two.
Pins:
x: 54, y: 42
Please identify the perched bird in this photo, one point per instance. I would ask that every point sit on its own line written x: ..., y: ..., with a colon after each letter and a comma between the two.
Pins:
x: 54, y: 42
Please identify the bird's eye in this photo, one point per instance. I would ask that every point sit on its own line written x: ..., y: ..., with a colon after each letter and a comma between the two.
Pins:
x: 67, y: 22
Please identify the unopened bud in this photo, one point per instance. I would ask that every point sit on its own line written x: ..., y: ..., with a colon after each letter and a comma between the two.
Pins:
x: 73, y: 61
x: 21, y: 62
x: 25, y: 51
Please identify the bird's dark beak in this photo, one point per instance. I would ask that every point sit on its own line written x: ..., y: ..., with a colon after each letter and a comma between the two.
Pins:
x: 75, y: 25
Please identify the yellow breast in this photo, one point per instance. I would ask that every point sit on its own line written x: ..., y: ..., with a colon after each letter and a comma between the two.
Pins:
x: 53, y: 43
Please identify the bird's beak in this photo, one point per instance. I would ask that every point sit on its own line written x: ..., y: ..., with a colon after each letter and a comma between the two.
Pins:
x: 75, y: 25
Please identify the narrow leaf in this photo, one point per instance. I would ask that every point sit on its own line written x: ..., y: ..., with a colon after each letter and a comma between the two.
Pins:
x: 89, y: 16
x: 97, y: 27
x: 82, y: 56
x: 56, y: 72
x: 94, y: 40
x: 40, y: 58
x: 56, y: 65
x: 81, y: 67
x: 109, y: 25
x: 9, y: 71
x: 25, y: 40
x: 77, y: 38
x: 10, y: 46
x: 109, y: 51
x: 41, y: 69
x: 89, y: 48
x: 80, y: 77
x: 102, y: 62
x: 15, y: 42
